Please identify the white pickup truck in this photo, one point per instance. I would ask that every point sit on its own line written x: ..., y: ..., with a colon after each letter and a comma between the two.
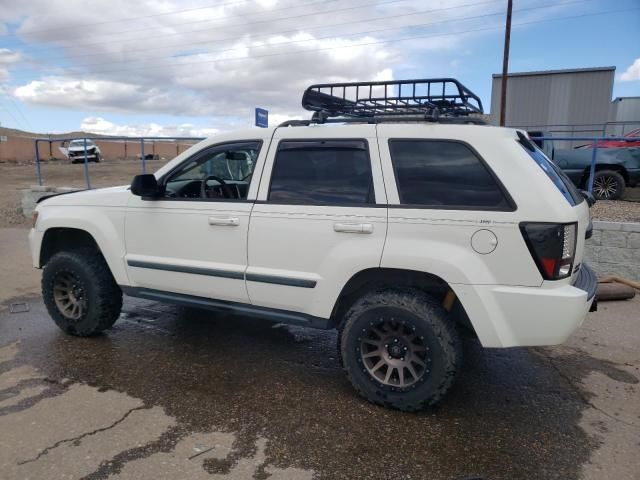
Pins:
x: 397, y: 231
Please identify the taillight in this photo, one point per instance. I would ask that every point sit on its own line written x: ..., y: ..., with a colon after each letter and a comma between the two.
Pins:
x: 552, y: 246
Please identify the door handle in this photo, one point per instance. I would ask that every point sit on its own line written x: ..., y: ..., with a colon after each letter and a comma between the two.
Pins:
x: 353, y: 227
x: 224, y: 221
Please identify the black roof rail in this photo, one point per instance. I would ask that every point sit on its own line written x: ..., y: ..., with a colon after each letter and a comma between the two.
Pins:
x: 430, y: 99
x: 396, y: 119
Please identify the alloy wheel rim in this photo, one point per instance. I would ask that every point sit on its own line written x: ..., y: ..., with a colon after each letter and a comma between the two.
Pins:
x: 394, y: 353
x: 69, y: 295
x: 605, y: 186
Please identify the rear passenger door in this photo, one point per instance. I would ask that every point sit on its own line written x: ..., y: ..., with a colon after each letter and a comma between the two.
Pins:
x: 320, y: 217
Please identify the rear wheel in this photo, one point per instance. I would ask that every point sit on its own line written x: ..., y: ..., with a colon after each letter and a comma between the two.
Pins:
x: 80, y: 293
x: 608, y: 185
x: 400, y: 349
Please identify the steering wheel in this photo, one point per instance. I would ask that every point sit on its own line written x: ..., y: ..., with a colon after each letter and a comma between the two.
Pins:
x: 226, y: 191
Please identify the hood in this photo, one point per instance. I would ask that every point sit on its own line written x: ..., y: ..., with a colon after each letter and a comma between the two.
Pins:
x: 80, y: 148
x: 100, y: 197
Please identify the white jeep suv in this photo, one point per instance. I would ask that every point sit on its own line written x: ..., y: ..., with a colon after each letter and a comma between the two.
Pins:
x: 396, y: 226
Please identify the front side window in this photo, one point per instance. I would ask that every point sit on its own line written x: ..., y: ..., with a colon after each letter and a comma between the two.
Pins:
x: 444, y: 174
x: 322, y: 172
x: 221, y: 172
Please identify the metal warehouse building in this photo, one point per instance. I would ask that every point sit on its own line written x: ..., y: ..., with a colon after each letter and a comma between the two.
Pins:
x: 569, y: 101
x: 625, y: 109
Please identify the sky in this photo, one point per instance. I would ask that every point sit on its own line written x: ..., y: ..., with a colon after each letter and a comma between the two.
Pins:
x: 197, y: 67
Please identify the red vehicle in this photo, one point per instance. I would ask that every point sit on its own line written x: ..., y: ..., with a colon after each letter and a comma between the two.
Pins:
x: 619, y: 143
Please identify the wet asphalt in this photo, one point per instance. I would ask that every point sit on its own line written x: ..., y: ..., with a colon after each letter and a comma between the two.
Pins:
x: 511, y: 415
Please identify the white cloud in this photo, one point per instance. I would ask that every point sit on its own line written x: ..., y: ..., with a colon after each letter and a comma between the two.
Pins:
x: 104, y: 127
x: 221, y: 62
x: 217, y: 63
x: 632, y: 73
x: 8, y: 58
x: 108, y: 95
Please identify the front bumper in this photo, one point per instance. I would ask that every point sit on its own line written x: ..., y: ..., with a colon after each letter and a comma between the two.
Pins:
x: 80, y: 155
x: 509, y: 316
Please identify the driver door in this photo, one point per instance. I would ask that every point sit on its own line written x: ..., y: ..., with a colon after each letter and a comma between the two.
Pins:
x: 193, y: 239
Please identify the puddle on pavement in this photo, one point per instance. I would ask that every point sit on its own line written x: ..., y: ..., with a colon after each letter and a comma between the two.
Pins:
x: 279, y: 394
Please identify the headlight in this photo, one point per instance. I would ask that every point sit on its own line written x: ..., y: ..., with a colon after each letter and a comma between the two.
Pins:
x: 34, y: 219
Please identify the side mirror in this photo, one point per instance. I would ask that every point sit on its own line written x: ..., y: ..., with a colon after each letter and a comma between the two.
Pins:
x: 145, y: 185
x: 588, y: 196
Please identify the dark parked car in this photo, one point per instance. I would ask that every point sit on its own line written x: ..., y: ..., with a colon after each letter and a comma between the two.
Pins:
x: 616, y: 168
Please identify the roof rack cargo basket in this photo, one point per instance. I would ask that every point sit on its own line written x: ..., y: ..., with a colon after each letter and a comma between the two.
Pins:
x: 430, y: 97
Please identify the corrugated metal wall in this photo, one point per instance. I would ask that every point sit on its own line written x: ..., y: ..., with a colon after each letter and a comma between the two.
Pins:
x: 561, y: 97
x: 627, y: 110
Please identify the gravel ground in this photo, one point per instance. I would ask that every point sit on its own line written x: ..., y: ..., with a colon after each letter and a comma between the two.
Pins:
x: 616, y: 211
x: 15, y: 176
x: 61, y: 174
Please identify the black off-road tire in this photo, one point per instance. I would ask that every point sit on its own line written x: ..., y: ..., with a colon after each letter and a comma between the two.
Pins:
x: 419, y: 314
x: 102, y: 296
x: 608, y: 185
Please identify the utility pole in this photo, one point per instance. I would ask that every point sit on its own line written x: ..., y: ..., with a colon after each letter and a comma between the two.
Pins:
x: 505, y: 65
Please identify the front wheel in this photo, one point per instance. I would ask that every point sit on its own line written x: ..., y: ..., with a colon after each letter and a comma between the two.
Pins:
x: 608, y: 185
x: 400, y: 349
x: 80, y: 293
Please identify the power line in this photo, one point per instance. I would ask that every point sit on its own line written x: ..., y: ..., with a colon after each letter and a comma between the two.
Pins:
x: 295, y: 42
x: 217, y: 19
x: 271, y: 20
x: 125, y: 41
x: 412, y: 37
x: 17, y: 107
x: 11, y: 115
x: 180, y: 64
x: 224, y: 39
x: 126, y: 19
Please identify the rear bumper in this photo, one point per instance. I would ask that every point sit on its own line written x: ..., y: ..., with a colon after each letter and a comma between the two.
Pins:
x: 506, y: 316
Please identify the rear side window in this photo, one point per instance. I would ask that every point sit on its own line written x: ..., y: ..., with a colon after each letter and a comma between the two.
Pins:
x: 557, y: 176
x: 445, y: 174
x: 322, y: 172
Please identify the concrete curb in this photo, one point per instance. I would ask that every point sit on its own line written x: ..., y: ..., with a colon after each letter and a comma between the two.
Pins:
x: 31, y: 195
x: 624, y: 226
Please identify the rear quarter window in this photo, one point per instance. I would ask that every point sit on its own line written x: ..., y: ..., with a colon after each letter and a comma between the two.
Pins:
x: 557, y: 176
x: 445, y: 174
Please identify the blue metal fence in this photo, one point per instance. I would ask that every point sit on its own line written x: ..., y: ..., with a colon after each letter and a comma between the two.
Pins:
x: 593, y: 140
x: 103, y: 139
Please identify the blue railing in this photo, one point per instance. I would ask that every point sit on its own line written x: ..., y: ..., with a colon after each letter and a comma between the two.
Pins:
x: 103, y: 139
x: 594, y: 154
x: 593, y: 140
